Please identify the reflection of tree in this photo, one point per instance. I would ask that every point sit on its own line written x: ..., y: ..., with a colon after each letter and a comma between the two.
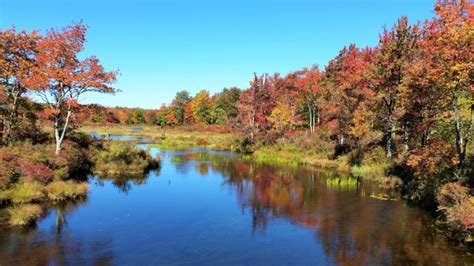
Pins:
x: 352, y: 229
x: 33, y: 247
x: 125, y: 181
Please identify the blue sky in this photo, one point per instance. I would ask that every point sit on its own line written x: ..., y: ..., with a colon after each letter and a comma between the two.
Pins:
x: 161, y: 47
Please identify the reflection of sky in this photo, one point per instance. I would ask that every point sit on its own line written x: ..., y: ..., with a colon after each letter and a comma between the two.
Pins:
x: 184, y: 216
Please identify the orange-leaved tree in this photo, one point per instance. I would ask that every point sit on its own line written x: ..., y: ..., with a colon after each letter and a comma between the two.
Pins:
x: 450, y: 37
x: 17, y: 59
x: 62, y: 77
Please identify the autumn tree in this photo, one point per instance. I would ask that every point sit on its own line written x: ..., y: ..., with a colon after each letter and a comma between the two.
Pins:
x: 285, y: 90
x: 451, y: 53
x: 217, y: 115
x: 310, y: 91
x: 179, y: 103
x: 256, y: 105
x: 347, y: 92
x: 394, y: 54
x: 17, y: 59
x: 61, y: 77
x: 227, y: 100
x: 201, y: 107
x: 281, y: 117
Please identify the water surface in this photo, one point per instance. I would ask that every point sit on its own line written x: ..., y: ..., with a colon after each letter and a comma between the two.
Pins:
x: 215, y: 208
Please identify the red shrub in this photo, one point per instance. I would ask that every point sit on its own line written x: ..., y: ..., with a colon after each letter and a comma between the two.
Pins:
x: 36, y: 172
x: 458, y: 209
x: 8, y: 168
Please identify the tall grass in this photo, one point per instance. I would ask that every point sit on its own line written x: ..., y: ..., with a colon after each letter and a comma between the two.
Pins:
x: 25, y: 192
x: 116, y: 158
x: 173, y: 138
x: 63, y: 190
x: 24, y: 214
x: 342, y: 183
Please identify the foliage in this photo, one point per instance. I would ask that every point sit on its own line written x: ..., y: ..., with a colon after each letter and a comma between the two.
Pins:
x: 401, y: 110
x: 457, y: 208
x: 430, y: 167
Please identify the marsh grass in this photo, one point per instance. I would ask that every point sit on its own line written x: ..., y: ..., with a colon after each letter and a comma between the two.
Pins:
x: 173, y: 138
x: 63, y: 190
x: 24, y: 192
x: 116, y: 158
x: 24, y: 214
x: 342, y: 183
x: 382, y: 196
x: 371, y: 171
x: 293, y: 155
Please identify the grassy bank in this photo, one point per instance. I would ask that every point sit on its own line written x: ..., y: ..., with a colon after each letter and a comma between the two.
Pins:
x: 172, y: 138
x: 184, y: 138
x: 294, y: 155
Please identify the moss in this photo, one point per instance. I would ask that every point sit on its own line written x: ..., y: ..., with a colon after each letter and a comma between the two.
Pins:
x: 63, y: 190
x: 25, y: 214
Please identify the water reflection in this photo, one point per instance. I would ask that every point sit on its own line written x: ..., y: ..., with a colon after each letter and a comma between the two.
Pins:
x: 52, y: 245
x: 205, y: 207
x: 125, y: 182
x: 353, y: 228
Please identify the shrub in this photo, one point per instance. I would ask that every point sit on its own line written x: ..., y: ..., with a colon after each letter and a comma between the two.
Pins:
x: 35, y: 172
x: 62, y: 190
x: 429, y: 169
x: 244, y: 145
x: 24, y: 214
x: 457, y: 209
x: 9, y: 166
x: 74, y: 158
x: 61, y: 173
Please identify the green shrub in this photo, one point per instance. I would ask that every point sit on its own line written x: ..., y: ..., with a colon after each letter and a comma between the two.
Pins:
x: 24, y: 214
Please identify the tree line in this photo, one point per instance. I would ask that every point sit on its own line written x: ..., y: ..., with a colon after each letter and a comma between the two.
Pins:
x: 410, y: 92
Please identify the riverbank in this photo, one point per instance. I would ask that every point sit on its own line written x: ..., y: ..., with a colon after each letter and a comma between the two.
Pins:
x: 32, y: 175
x: 186, y: 138
x: 365, y: 163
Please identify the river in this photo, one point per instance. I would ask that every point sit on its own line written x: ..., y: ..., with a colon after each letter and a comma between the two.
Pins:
x: 216, y: 208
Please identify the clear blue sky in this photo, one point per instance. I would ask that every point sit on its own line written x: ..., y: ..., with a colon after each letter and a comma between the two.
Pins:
x: 161, y: 47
